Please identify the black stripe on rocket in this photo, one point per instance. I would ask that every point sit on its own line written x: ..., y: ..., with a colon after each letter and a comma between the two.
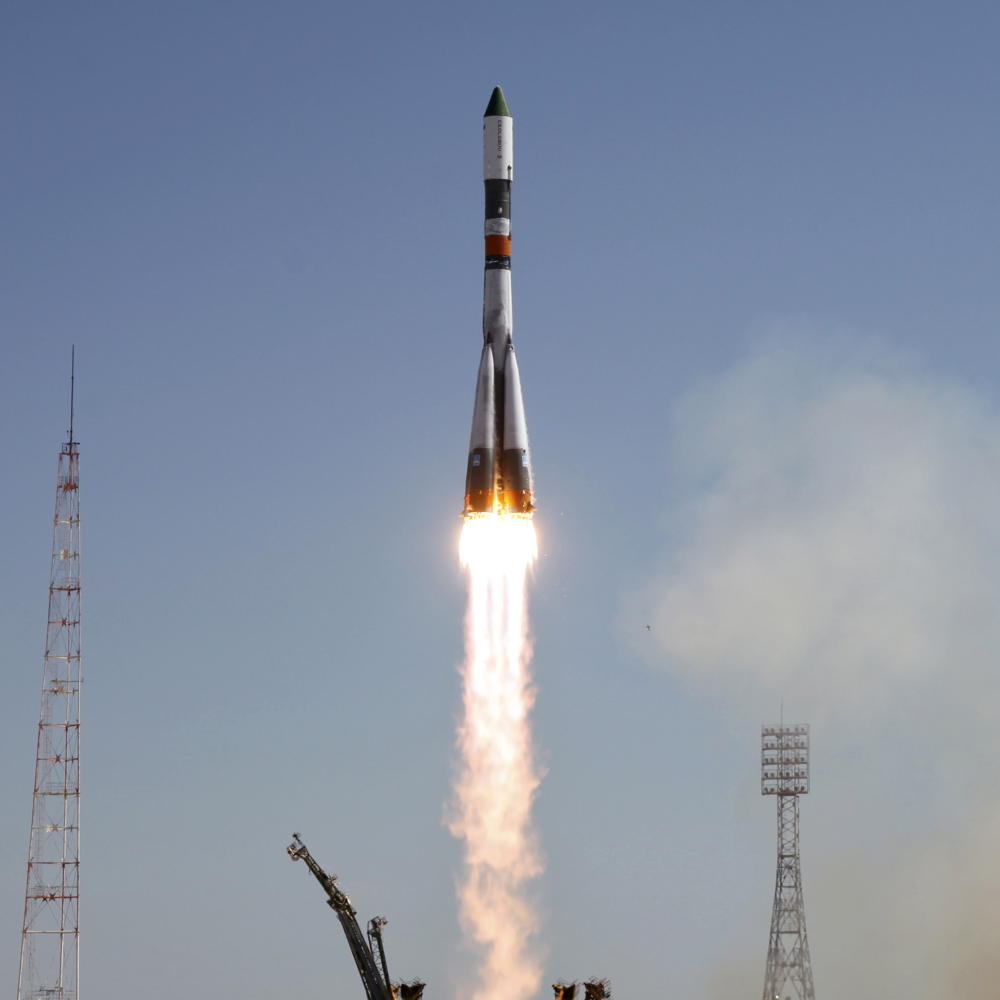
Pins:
x: 497, y: 209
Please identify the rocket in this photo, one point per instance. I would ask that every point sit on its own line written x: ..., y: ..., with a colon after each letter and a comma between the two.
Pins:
x: 498, y: 479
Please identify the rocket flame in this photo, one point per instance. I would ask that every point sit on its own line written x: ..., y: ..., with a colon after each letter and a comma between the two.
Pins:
x: 498, y: 776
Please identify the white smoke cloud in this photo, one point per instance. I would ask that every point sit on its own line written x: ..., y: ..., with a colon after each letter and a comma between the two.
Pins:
x: 841, y: 536
x: 836, y: 541
x: 913, y: 917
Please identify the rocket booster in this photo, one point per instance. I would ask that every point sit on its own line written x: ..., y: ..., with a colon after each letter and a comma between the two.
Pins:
x: 499, y: 478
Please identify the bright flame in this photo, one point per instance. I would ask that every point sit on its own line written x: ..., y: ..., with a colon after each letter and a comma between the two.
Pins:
x: 498, y: 777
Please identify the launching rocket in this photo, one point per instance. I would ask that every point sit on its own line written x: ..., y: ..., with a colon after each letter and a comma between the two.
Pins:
x: 498, y: 480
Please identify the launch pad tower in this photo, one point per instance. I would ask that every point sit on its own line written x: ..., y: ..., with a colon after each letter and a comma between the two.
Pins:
x: 50, y: 934
x: 785, y: 774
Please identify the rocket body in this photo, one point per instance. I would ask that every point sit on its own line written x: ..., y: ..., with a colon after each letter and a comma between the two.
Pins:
x: 499, y: 478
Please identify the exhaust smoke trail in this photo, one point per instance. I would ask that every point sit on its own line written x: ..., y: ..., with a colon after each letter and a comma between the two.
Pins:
x: 498, y: 776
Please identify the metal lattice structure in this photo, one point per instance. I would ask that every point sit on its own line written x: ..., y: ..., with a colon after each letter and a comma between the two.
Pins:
x: 376, y: 987
x: 785, y: 774
x: 50, y: 937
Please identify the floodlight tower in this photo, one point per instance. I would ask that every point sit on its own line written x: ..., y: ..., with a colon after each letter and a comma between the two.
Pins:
x: 50, y: 934
x: 785, y: 773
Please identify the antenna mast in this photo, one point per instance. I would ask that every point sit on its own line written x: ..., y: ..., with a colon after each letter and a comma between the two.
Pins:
x: 72, y: 389
x: 50, y: 933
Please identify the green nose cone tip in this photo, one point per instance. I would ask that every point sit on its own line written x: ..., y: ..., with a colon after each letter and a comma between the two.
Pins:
x: 497, y: 105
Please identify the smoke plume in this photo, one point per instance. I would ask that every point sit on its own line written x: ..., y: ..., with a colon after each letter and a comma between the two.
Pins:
x: 836, y: 541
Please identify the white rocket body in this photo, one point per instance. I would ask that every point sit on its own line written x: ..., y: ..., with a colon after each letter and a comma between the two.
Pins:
x: 499, y: 441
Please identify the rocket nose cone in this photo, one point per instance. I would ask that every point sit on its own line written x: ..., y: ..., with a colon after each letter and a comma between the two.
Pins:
x: 497, y: 106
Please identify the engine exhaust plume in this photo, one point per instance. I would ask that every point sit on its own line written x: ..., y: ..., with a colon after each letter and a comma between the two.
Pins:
x: 498, y: 777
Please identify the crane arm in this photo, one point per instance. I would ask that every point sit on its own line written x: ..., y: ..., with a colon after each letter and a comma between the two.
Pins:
x: 375, y: 987
x: 375, y: 926
x: 362, y: 957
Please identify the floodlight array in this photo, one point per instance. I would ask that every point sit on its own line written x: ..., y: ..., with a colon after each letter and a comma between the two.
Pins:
x: 784, y: 760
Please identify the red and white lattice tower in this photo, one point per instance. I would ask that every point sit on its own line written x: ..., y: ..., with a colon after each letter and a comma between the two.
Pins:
x: 50, y: 936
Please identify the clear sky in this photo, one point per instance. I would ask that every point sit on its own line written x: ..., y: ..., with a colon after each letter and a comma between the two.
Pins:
x: 756, y: 305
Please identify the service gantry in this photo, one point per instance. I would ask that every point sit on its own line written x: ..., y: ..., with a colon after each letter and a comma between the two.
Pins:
x: 595, y: 989
x: 49, y: 967
x: 374, y: 979
x: 785, y: 774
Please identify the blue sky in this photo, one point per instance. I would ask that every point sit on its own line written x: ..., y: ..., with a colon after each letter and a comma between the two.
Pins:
x: 260, y: 225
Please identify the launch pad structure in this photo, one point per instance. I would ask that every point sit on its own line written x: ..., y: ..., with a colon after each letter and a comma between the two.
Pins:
x: 369, y: 956
x: 595, y: 989
x: 785, y: 775
x: 374, y: 971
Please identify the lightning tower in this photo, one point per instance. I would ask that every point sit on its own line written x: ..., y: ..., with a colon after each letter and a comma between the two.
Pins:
x: 785, y: 774
x: 50, y: 936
